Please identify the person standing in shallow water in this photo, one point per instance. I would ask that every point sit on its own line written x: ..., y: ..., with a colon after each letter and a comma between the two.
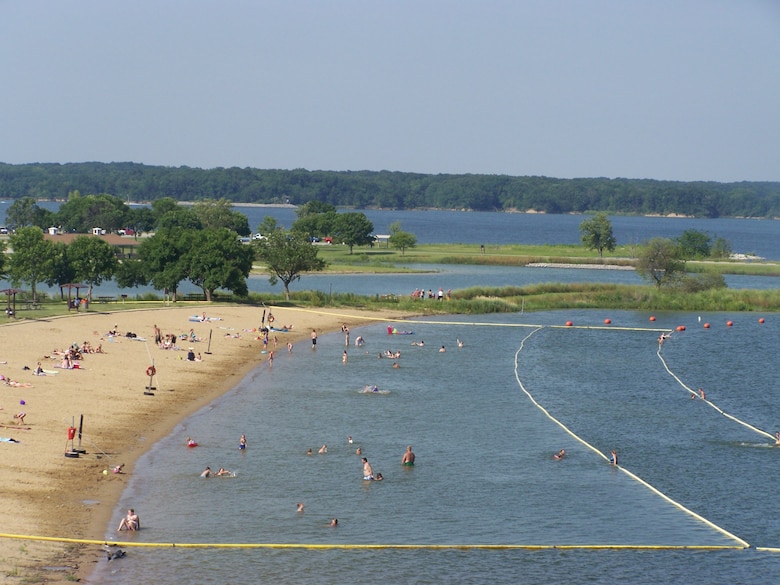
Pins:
x: 314, y: 339
x: 408, y: 458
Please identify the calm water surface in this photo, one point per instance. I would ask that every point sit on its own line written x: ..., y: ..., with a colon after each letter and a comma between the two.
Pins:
x: 484, y: 472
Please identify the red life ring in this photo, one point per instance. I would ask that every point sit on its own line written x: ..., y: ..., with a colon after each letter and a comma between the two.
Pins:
x: 151, y: 371
x: 271, y: 318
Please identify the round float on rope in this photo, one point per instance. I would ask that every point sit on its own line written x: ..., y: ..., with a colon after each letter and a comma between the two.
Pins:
x: 681, y: 328
x: 652, y: 318
x: 151, y: 371
x: 761, y: 320
x: 607, y: 321
x: 706, y: 325
x: 569, y: 323
x: 729, y: 323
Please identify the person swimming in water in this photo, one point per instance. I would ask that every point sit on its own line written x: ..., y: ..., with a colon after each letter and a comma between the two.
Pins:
x: 560, y: 454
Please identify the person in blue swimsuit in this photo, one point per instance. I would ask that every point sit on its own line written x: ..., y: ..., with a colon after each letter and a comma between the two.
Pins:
x: 242, y: 443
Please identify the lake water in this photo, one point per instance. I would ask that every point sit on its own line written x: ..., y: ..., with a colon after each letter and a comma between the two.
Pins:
x: 485, y: 472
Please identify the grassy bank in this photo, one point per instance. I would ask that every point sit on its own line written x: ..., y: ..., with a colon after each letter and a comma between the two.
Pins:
x: 381, y: 259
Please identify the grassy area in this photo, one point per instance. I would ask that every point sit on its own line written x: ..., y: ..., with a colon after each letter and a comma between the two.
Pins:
x: 380, y: 259
x: 474, y: 301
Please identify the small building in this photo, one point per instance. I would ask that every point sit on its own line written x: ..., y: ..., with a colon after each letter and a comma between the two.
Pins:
x: 96, y: 231
x: 54, y: 231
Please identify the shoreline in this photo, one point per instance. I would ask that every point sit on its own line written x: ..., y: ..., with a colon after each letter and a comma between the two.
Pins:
x: 50, y: 495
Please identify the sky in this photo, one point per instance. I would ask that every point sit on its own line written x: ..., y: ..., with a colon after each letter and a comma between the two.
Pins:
x: 663, y: 89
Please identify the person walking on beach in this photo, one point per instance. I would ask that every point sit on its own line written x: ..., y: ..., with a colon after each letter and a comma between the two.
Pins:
x: 314, y: 339
x: 368, y: 472
x: 157, y: 335
x: 408, y: 458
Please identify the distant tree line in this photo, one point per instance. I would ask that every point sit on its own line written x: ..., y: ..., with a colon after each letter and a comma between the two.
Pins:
x: 392, y: 190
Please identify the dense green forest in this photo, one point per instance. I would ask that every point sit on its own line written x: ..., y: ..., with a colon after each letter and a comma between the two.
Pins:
x: 392, y: 190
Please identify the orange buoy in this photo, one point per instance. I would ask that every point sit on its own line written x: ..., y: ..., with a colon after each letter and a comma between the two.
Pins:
x: 729, y: 323
x: 569, y: 323
x: 761, y: 320
x: 706, y: 325
x: 607, y: 321
x: 681, y: 328
x: 652, y: 318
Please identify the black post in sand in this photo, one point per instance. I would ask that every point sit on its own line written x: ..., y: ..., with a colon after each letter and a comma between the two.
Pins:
x: 208, y: 349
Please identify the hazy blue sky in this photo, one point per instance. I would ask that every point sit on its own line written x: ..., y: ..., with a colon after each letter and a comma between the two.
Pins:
x: 664, y: 89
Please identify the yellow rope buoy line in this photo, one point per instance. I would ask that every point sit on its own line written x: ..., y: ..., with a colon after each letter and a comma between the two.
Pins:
x: 311, y: 546
x: 743, y: 544
x: 712, y: 404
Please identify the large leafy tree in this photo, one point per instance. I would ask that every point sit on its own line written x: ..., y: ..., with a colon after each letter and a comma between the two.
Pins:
x: 25, y: 212
x: 659, y: 262
x: 596, y: 234
x: 163, y: 258
x: 316, y: 225
x: 32, y: 261
x: 693, y: 244
x: 399, y: 239
x: 92, y: 260
x: 217, y: 259
x: 220, y: 214
x: 353, y: 229
x: 81, y: 213
x: 287, y: 255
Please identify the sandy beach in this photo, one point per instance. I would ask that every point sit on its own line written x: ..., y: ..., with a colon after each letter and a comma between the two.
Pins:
x: 48, y: 494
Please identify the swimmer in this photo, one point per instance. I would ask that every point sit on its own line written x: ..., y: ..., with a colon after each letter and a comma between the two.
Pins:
x: 777, y: 438
x: 379, y: 477
x: 349, y: 439
x: 408, y: 458
x: 560, y: 454
x: 344, y: 357
x: 358, y: 451
x: 613, y: 459
x: 300, y: 507
x: 289, y: 347
x: 222, y: 471
x: 323, y: 450
x: 334, y: 522
x: 207, y: 472
x: 130, y: 522
x: 395, y: 365
x: 242, y: 442
x: 191, y: 442
x: 701, y: 393
x: 309, y: 452
x: 368, y: 472
x: 459, y: 342
x: 442, y: 349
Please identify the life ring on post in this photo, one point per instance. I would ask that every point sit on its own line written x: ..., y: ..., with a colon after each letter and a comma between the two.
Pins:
x: 271, y: 318
x: 151, y: 371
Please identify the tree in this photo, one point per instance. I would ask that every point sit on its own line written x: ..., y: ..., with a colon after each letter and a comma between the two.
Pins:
x: 353, y: 229
x: 217, y: 259
x: 220, y: 214
x: 82, y: 213
x: 399, y: 239
x: 23, y: 212
x: 316, y: 225
x: 596, y: 234
x: 693, y: 244
x: 92, y: 260
x: 659, y: 262
x: 287, y: 256
x: 721, y: 248
x: 269, y: 225
x: 314, y: 207
x: 163, y: 258
x: 32, y: 260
